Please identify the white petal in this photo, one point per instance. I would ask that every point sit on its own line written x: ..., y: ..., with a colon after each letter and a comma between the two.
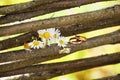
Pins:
x: 34, y: 47
x: 37, y: 47
x: 64, y: 45
x: 60, y: 52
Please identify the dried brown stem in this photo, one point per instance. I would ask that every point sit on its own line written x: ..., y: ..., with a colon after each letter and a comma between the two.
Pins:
x: 34, y: 76
x: 109, y: 13
x: 117, y: 77
x: 40, y: 10
x: 28, y: 58
x: 34, y: 56
x: 73, y: 29
x: 22, y: 6
x: 61, y: 68
x: 22, y: 16
x: 64, y: 4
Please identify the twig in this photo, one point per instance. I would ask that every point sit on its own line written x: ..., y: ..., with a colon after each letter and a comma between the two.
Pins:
x: 28, y: 5
x: 73, y: 29
x: 40, y: 10
x: 63, y: 4
x: 117, y: 77
x: 17, y: 7
x: 109, y: 13
x: 16, y: 41
x: 33, y: 76
x: 34, y: 56
x: 61, y: 68
x: 22, y: 16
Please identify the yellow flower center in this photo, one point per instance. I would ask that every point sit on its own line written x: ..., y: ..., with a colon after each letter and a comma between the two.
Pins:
x: 36, y: 43
x: 54, y: 36
x: 61, y: 42
x: 46, y: 35
x: 41, y: 35
x: 64, y: 50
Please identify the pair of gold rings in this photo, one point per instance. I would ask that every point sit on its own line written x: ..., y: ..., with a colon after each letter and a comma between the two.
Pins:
x: 77, y: 39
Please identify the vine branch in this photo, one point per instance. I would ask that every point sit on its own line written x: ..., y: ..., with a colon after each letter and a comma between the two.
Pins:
x: 29, y: 61
x: 116, y: 77
x: 34, y: 56
x: 22, y: 6
x: 63, y: 68
x: 109, y: 13
x: 47, y: 8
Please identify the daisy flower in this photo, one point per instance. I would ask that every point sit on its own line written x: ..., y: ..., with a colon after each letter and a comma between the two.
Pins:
x: 36, y: 44
x: 27, y: 46
x: 55, y: 33
x: 65, y: 50
x: 45, y: 34
x: 62, y: 42
x: 41, y: 33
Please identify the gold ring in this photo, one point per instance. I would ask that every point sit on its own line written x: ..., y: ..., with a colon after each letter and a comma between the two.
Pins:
x: 77, y: 39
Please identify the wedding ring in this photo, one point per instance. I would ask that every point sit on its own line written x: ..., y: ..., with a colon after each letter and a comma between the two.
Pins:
x: 77, y: 39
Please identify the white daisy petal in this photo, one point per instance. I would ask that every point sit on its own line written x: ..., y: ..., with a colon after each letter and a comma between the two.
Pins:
x: 37, y: 47
x: 60, y: 51
x: 36, y: 44
x: 41, y: 33
x: 68, y: 50
x: 45, y: 33
x: 62, y: 42
x: 64, y: 50
x: 34, y: 47
x: 55, y: 33
x: 49, y: 35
